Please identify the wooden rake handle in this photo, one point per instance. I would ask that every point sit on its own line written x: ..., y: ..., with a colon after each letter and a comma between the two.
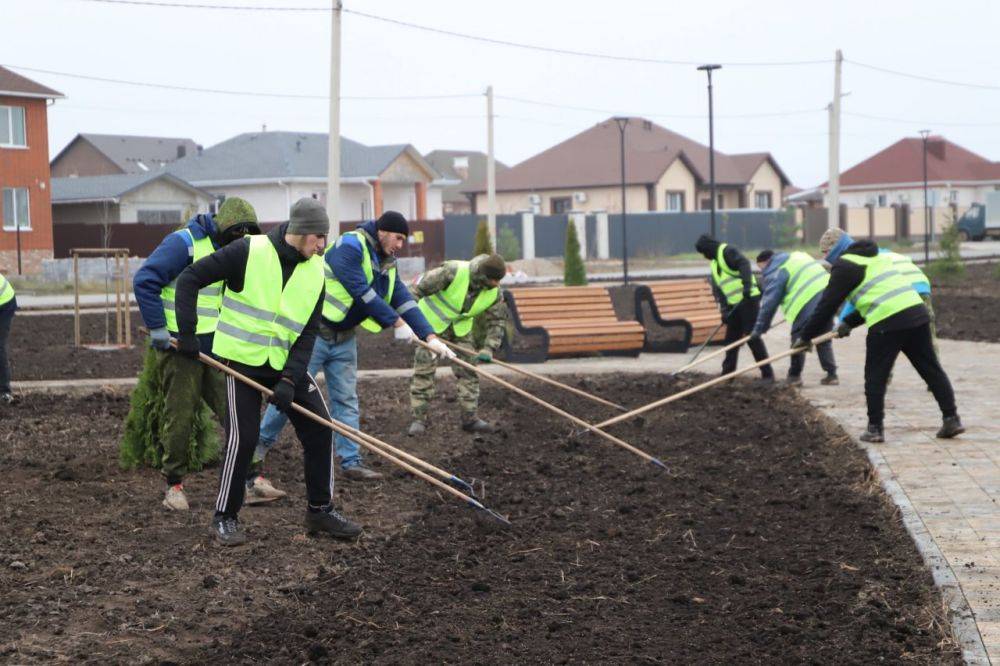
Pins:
x: 718, y: 352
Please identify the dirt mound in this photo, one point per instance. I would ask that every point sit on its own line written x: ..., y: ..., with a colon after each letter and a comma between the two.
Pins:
x: 968, y: 308
x: 766, y: 542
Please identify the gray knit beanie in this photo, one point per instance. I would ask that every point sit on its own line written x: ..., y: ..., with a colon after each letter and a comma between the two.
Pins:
x: 829, y: 239
x: 308, y: 216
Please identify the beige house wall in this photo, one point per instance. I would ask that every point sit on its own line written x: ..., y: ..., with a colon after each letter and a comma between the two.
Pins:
x: 730, y: 197
x: 598, y: 199
x: 677, y: 177
x: 765, y: 179
x: 404, y: 169
x: 162, y: 195
x: 885, y: 222
x: 857, y: 222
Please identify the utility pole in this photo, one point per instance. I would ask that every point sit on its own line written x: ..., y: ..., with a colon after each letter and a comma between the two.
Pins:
x: 333, y: 145
x: 622, y: 122
x: 708, y: 69
x: 833, y: 220
x: 927, y: 210
x: 491, y: 171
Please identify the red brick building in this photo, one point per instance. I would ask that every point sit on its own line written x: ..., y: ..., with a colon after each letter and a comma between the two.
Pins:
x: 25, y: 198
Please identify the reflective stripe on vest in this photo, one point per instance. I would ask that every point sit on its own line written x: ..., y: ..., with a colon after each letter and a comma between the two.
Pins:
x: 337, y: 301
x: 209, y: 298
x: 261, y: 323
x: 6, y: 290
x: 444, y: 308
x: 806, y: 278
x: 908, y: 269
x: 883, y: 292
x: 728, y: 281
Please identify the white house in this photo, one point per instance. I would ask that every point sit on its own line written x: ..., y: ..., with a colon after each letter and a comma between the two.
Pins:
x: 272, y: 170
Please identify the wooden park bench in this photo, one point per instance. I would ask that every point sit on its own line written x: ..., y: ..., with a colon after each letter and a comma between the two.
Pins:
x: 660, y: 304
x: 568, y: 321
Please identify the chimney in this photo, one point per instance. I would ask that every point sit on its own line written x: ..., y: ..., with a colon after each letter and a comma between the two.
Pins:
x: 647, y: 125
x: 181, y: 151
x: 298, y: 146
x: 936, y: 147
x: 200, y: 148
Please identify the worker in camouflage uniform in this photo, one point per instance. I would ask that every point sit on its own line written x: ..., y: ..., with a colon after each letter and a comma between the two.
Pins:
x: 450, y: 297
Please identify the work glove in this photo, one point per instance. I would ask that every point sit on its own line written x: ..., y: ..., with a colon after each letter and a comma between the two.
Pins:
x: 440, y: 349
x: 283, y: 395
x: 843, y: 329
x: 160, y: 339
x: 187, y: 345
x: 484, y: 356
x: 799, y: 342
x: 403, y: 332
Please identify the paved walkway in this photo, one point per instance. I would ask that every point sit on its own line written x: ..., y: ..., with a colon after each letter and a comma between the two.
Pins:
x: 947, y: 491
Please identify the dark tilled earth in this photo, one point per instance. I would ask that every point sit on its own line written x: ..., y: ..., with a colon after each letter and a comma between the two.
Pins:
x: 968, y: 308
x: 767, y: 542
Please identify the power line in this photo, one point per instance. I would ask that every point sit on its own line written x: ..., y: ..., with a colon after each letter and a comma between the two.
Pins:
x: 917, y: 122
x: 247, y: 93
x: 921, y: 77
x: 555, y: 105
x: 461, y: 35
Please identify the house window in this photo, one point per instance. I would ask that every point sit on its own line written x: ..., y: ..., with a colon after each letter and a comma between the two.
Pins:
x: 12, y: 126
x: 15, y: 209
x: 953, y: 197
x: 675, y: 201
x: 762, y: 199
x: 158, y: 216
x: 883, y: 200
x: 560, y: 205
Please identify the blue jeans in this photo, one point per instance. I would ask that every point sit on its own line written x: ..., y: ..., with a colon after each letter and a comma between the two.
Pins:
x: 339, y: 361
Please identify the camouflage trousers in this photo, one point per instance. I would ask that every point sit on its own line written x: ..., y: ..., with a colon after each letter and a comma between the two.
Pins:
x: 422, y: 383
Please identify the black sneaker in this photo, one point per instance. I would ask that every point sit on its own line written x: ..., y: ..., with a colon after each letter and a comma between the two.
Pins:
x: 475, y: 424
x: 950, y: 427
x: 330, y: 522
x: 793, y: 380
x: 227, y: 531
x: 874, y: 434
x: 6, y: 399
x: 765, y: 380
x: 830, y: 380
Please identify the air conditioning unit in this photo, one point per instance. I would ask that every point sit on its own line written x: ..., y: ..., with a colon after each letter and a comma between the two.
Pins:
x: 534, y: 199
x: 580, y: 197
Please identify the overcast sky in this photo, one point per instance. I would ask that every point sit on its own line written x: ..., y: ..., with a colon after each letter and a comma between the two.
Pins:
x: 288, y: 52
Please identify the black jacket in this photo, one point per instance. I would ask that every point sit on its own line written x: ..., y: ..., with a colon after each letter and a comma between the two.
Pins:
x: 709, y: 248
x: 845, y: 276
x: 230, y: 264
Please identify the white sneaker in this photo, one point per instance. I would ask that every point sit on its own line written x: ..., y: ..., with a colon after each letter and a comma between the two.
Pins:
x: 175, y: 499
x: 261, y: 491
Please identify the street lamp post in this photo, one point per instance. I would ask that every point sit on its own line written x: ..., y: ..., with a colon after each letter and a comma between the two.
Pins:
x: 622, y: 122
x: 708, y: 69
x: 927, y: 211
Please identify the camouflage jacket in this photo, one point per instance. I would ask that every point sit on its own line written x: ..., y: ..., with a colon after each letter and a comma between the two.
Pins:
x: 495, y: 317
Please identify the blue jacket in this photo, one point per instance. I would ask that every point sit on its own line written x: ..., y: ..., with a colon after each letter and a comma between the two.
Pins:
x: 345, y: 260
x: 166, y: 262
x: 775, y: 278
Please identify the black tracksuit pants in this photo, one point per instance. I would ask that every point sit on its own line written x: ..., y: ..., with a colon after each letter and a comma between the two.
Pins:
x: 243, y: 430
x: 882, y: 348
x: 738, y: 325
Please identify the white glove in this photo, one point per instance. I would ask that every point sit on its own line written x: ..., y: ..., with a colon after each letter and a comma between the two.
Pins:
x: 403, y: 332
x: 441, y: 349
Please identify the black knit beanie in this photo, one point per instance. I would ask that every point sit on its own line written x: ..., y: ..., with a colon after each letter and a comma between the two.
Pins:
x: 394, y: 222
x: 765, y: 256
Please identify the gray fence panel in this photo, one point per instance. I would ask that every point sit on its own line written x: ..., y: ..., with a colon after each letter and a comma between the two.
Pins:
x: 662, y: 234
x: 460, y: 233
x: 550, y: 235
x: 591, y: 226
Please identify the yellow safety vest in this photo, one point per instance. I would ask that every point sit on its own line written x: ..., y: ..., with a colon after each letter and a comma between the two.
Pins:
x: 338, y: 301
x: 6, y: 290
x: 261, y: 323
x: 884, y: 290
x: 444, y: 308
x: 728, y: 281
x: 806, y: 278
x: 209, y: 298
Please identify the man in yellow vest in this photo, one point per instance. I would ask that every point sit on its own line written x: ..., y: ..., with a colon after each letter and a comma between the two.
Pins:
x: 885, y: 300
x: 736, y: 291
x: 183, y: 383
x: 363, y: 289
x: 8, y: 306
x: 794, y: 281
x: 267, y: 326
x: 451, y: 297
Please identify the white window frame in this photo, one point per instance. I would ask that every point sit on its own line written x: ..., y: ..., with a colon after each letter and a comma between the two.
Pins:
x: 761, y: 193
x: 15, y: 224
x: 10, y: 127
x: 679, y: 195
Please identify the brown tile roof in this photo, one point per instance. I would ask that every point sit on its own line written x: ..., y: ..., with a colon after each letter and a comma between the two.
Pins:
x: 902, y: 162
x: 18, y: 86
x: 591, y: 158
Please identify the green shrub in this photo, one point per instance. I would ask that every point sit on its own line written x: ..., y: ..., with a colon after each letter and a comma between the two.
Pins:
x: 482, y: 244
x: 574, y: 272
x: 950, y: 263
x: 507, y: 245
x: 784, y: 230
